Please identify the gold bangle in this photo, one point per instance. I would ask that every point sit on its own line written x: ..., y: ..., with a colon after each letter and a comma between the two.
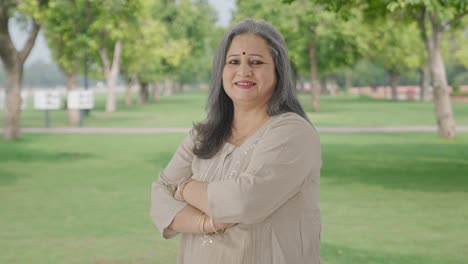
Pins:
x: 177, y: 191
x: 178, y: 195
x: 200, y: 223
x: 202, y: 226
x: 212, y: 226
x: 182, y: 188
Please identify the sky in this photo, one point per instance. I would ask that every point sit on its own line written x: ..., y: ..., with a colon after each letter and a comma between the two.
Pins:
x: 42, y: 52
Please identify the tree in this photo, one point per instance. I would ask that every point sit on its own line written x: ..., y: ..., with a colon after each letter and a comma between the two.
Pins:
x: 195, y: 21
x: 149, y: 49
x: 440, y: 15
x: 191, y: 23
x: 395, y: 47
x: 13, y: 60
x: 110, y: 21
x: 434, y: 17
x: 65, y: 32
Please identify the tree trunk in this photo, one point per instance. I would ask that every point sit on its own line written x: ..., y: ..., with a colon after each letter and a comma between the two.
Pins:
x: 156, y: 92
x: 323, y: 86
x: 144, y: 93
x: 347, y: 82
x: 12, y: 110
x: 111, y: 71
x: 394, y: 80
x: 129, y: 91
x: 73, y: 114
x: 443, y: 105
x: 168, y: 87
x: 333, y: 87
x: 177, y: 87
x: 314, y: 82
x: 128, y: 95
x: 424, y: 82
x: 13, y: 61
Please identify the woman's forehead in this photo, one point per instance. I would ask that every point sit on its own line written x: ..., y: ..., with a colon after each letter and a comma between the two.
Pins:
x: 248, y: 44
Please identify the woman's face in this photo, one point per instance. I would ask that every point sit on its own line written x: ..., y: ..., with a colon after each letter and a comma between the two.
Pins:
x: 249, y: 73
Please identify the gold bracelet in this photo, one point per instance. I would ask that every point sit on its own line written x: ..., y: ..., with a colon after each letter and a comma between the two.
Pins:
x: 212, y: 226
x: 183, y: 188
x: 177, y: 191
x: 200, y: 224
x: 178, y: 195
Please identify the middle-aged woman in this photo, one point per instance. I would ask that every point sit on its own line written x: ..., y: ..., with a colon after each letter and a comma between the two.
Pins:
x: 243, y: 186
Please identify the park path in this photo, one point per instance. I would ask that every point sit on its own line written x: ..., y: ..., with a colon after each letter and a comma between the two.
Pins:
x: 154, y: 130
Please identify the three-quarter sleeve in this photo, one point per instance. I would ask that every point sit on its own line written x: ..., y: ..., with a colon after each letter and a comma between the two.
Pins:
x: 287, y: 155
x: 163, y: 205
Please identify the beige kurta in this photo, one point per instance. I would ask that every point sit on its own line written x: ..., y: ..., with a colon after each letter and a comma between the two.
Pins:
x: 269, y: 185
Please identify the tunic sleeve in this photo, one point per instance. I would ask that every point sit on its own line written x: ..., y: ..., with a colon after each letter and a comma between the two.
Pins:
x: 288, y: 155
x: 163, y: 205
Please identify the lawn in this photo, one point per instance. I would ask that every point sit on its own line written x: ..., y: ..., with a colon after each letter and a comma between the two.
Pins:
x: 385, y: 198
x: 182, y: 109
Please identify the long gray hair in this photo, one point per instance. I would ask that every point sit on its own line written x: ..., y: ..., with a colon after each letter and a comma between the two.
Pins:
x: 216, y: 128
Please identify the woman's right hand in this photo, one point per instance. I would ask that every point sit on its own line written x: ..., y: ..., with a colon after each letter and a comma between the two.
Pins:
x: 222, y: 226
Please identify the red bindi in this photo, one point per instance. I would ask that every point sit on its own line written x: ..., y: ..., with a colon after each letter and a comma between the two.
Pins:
x: 243, y: 53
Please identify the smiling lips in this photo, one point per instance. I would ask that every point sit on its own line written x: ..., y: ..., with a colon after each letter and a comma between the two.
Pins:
x: 245, y: 84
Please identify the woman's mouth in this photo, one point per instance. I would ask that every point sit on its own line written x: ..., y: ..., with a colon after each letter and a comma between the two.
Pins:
x: 245, y: 84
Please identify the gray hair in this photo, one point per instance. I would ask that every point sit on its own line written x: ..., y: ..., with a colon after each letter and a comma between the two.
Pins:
x: 216, y: 128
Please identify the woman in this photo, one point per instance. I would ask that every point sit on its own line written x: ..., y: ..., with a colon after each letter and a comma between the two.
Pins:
x: 243, y: 186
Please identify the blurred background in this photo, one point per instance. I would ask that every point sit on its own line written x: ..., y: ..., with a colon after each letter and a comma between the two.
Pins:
x: 97, y: 94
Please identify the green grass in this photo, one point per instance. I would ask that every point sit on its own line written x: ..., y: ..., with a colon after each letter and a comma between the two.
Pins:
x: 385, y: 198
x: 183, y: 109
x: 347, y: 110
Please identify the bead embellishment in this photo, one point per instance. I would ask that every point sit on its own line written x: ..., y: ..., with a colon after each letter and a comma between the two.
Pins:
x: 206, y: 239
x: 235, y: 168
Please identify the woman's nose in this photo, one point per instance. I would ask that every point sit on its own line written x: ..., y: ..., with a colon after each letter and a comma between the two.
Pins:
x: 244, y: 69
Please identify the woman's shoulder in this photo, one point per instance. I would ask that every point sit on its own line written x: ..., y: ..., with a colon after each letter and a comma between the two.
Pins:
x: 291, y: 131
x: 291, y: 121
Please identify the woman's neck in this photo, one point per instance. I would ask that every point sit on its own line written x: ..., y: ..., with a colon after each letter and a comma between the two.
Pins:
x: 246, y: 121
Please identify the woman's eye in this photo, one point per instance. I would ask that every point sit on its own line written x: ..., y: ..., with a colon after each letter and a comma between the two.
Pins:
x: 256, y: 62
x: 233, y: 62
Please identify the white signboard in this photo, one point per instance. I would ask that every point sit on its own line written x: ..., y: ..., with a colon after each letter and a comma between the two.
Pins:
x: 24, y: 100
x: 47, y: 100
x: 80, y: 99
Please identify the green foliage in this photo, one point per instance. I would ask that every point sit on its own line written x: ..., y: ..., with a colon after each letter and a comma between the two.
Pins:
x: 66, y: 33
x: 172, y: 40
x: 148, y: 46
x: 365, y: 73
x: 445, y: 11
x: 395, y: 46
x: 196, y: 21
x: 459, y: 42
x: 455, y: 53
x: 74, y: 26
x: 193, y: 24
x: 35, y: 9
x: 340, y: 43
